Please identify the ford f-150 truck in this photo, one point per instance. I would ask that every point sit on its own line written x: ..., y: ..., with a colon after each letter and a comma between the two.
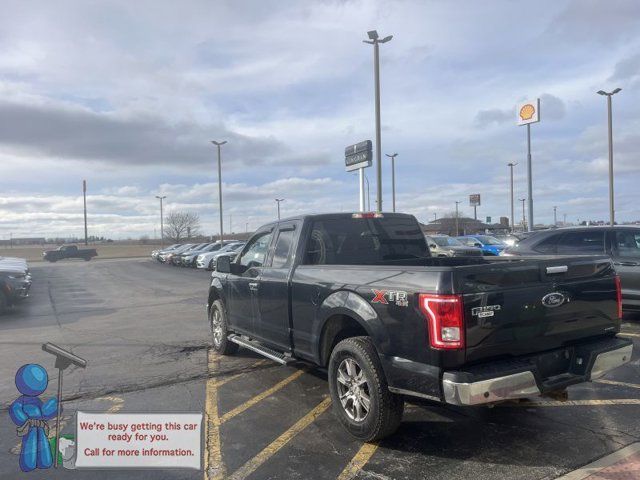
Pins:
x: 360, y: 295
x: 69, y: 251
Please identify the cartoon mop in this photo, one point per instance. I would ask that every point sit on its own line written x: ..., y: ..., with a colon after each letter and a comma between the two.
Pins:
x: 63, y: 360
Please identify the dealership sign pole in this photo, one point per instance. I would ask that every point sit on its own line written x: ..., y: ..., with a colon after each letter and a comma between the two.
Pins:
x: 358, y: 157
x: 474, y: 201
x: 528, y: 113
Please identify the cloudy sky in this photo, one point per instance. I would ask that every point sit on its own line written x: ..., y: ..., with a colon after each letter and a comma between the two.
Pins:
x: 129, y: 94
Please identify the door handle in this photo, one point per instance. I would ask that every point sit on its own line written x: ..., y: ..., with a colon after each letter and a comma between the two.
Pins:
x: 253, y: 286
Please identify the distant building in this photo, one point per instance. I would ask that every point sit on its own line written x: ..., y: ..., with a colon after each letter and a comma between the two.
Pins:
x: 24, y: 241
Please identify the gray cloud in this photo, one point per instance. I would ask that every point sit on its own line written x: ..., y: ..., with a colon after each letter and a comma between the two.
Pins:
x: 552, y: 107
x: 484, y: 118
x: 142, y: 139
x: 627, y: 69
x: 596, y: 20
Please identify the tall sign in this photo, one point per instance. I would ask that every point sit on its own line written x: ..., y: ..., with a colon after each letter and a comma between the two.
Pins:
x: 358, y: 157
x: 528, y: 113
x: 474, y: 201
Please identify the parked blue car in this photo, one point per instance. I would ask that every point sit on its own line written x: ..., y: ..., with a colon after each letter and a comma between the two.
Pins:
x: 489, y: 245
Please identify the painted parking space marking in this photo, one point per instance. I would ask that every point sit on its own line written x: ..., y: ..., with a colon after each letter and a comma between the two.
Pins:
x: 573, y: 403
x: 271, y: 449
x: 358, y: 461
x: 222, y: 381
x: 627, y: 334
x: 261, y: 396
x: 214, y: 468
x: 618, y: 384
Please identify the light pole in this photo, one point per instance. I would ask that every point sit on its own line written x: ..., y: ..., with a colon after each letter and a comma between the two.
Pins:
x: 555, y: 216
x: 393, y: 178
x: 511, y: 165
x: 278, y: 200
x: 375, y: 41
x: 610, y: 125
x: 84, y: 195
x: 219, y: 144
x: 457, y: 229
x: 161, y: 198
x: 368, y: 194
x: 524, y: 220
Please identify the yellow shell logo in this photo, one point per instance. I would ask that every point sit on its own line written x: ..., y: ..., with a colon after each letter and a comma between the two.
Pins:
x: 527, y: 111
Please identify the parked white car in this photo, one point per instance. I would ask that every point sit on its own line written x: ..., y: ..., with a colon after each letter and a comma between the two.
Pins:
x: 205, y: 260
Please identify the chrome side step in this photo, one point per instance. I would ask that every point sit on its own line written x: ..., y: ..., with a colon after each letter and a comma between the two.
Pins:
x: 261, y: 349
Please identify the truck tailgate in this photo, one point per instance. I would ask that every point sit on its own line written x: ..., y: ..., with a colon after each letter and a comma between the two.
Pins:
x: 535, y: 305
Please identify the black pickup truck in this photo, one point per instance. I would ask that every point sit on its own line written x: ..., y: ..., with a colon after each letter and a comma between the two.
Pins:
x: 360, y: 295
x: 69, y: 251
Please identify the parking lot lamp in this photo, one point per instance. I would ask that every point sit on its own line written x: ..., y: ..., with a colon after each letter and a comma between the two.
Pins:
x: 219, y: 144
x: 393, y: 178
x: 161, y: 220
x: 524, y: 219
x: 555, y: 216
x: 375, y: 41
x: 610, y: 127
x: 457, y: 229
x: 278, y: 200
x: 511, y: 165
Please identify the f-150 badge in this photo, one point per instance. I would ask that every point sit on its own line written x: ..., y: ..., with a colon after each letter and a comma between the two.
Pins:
x: 486, y: 311
x: 394, y: 296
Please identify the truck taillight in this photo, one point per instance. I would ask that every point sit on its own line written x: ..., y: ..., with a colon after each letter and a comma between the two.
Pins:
x: 445, y: 319
x: 619, y: 295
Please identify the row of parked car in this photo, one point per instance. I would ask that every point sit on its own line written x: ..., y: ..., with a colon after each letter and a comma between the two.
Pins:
x: 468, y: 245
x: 620, y: 242
x: 15, y: 281
x: 198, y: 255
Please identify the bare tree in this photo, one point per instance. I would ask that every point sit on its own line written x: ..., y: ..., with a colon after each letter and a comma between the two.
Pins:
x: 181, y: 225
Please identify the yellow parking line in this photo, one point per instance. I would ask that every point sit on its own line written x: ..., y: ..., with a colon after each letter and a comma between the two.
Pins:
x: 249, y: 403
x: 222, y: 381
x: 576, y: 403
x: 213, y: 466
x: 625, y: 334
x: 271, y: 449
x: 619, y: 384
x: 359, y: 460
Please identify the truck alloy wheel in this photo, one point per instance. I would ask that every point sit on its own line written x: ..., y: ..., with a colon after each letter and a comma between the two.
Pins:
x: 219, y: 331
x: 359, y: 392
x: 353, y: 390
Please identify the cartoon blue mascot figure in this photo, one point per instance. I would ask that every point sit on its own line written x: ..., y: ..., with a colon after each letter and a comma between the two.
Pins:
x: 30, y: 414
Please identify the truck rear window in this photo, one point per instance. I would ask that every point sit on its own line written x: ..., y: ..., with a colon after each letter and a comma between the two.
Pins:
x: 364, y: 241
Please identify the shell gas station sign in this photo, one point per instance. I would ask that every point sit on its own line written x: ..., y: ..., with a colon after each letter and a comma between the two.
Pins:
x: 529, y: 112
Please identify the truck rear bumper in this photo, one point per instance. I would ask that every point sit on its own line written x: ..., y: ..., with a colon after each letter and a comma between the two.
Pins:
x: 538, y: 374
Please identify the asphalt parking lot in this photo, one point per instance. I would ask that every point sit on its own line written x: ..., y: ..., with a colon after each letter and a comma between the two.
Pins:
x: 141, y: 325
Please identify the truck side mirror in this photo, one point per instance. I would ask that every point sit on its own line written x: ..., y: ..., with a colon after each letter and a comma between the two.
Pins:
x: 223, y: 264
x: 433, y: 245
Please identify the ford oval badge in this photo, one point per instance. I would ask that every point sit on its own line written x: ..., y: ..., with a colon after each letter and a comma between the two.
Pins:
x: 553, y: 299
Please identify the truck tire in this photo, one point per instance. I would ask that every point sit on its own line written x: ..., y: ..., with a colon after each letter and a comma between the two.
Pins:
x: 356, y: 380
x: 86, y: 259
x: 219, y: 331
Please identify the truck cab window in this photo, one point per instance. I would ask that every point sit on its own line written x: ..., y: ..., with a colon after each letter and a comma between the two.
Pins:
x: 283, y: 246
x: 254, y: 255
x: 364, y: 241
x: 582, y: 242
x: 627, y: 243
x: 548, y: 245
